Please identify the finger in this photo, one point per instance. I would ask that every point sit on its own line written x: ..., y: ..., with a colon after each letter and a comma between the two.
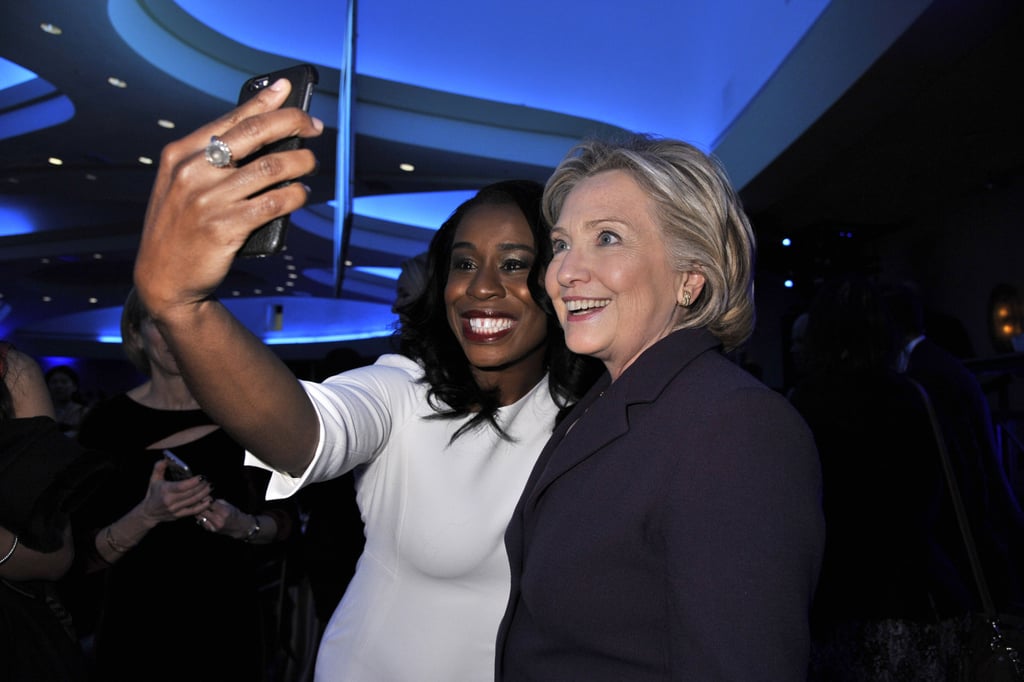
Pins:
x: 248, y: 127
x: 268, y: 99
x: 270, y: 204
x: 251, y: 134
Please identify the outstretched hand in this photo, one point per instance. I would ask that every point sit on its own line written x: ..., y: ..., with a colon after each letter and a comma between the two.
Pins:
x: 200, y: 215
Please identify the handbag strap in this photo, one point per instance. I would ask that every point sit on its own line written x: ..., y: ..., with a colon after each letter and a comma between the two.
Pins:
x: 958, y: 504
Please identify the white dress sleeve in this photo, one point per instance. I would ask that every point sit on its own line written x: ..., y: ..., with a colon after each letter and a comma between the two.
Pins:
x: 355, y: 412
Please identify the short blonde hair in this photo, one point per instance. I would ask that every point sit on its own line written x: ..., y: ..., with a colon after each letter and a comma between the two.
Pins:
x: 700, y: 215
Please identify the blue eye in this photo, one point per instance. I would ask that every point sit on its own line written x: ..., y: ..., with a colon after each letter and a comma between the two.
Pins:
x: 559, y: 245
x: 606, y: 238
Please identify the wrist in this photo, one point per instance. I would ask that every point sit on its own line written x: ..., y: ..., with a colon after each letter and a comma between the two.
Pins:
x: 254, y: 529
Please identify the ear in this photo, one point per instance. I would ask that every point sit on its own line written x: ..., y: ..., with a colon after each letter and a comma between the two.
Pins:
x: 690, y: 285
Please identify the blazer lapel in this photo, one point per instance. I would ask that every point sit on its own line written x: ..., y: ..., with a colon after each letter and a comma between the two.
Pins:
x: 602, y: 415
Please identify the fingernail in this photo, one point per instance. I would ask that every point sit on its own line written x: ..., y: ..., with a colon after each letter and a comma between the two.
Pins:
x: 318, y: 124
x: 278, y: 85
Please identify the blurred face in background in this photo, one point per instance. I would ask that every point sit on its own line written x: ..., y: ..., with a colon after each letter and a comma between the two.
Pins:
x: 62, y: 387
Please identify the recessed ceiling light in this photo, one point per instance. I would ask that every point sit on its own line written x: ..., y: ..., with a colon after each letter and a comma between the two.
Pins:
x: 279, y: 289
x: 117, y: 82
x: 46, y: 299
x: 54, y: 161
x: 97, y: 256
x: 90, y: 176
x: 145, y: 160
x: 52, y: 29
x: 407, y: 167
x: 164, y: 123
x: 93, y: 299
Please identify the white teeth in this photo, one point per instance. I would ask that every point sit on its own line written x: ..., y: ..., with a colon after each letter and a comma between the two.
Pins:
x: 577, y: 305
x: 489, y: 325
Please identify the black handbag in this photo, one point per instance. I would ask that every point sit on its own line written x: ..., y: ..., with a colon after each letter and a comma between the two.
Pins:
x: 995, y: 641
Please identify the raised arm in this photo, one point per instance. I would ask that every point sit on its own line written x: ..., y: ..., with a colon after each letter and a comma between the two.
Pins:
x: 198, y: 217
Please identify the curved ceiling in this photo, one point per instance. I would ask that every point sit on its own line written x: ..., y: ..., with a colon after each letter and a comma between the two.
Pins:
x: 468, y: 93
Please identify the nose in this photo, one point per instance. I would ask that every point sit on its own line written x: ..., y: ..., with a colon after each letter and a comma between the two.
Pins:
x: 486, y: 283
x: 571, y: 268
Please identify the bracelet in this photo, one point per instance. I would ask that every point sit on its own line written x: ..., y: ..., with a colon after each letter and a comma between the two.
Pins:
x: 10, y: 552
x: 120, y: 549
x: 254, y: 531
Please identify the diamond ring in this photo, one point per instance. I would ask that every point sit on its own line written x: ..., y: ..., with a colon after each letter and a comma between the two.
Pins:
x: 218, y: 153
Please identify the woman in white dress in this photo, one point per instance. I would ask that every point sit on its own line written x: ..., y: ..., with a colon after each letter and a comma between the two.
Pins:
x: 441, y: 437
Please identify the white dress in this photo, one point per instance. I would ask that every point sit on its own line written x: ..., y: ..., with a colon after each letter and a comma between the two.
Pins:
x: 432, y: 583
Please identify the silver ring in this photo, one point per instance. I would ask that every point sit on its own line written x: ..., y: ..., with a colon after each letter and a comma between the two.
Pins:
x: 218, y: 153
x: 203, y: 520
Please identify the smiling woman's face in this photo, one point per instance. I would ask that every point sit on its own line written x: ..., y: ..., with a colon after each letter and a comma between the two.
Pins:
x: 612, y: 284
x: 490, y: 308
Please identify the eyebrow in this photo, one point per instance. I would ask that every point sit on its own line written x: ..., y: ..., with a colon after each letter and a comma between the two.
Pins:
x: 597, y: 223
x: 504, y: 246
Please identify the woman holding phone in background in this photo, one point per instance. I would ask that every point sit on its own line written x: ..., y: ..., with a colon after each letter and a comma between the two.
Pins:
x: 173, y: 555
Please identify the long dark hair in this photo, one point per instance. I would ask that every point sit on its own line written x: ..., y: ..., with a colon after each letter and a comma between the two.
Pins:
x: 425, y: 336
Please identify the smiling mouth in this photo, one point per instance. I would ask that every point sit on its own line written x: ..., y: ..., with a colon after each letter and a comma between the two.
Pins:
x: 581, y: 306
x: 486, y: 328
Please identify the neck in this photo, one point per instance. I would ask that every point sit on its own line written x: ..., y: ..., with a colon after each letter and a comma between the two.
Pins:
x: 515, y: 379
x: 164, y: 393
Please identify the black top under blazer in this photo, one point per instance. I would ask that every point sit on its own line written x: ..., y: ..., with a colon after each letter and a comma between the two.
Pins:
x: 672, y: 529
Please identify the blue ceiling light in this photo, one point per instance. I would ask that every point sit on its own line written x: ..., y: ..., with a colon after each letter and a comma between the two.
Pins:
x: 589, y: 52
x: 14, y: 221
x: 590, y: 60
x: 28, y: 102
x: 11, y: 74
x: 421, y: 209
x: 162, y: 34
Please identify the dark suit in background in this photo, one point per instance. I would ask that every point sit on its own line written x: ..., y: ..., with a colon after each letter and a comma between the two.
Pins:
x: 992, y: 505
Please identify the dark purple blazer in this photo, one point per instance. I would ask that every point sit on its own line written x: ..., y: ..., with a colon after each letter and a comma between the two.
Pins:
x: 671, y: 530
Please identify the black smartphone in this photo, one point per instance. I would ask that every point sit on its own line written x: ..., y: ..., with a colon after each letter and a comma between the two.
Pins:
x: 176, y: 469
x: 270, y: 238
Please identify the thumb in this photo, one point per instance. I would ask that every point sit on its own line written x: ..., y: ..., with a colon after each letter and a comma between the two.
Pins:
x: 158, y: 470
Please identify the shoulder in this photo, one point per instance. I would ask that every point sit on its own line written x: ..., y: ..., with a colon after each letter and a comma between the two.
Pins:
x: 392, y: 378
x: 388, y: 369
x: 728, y: 405
x: 27, y: 385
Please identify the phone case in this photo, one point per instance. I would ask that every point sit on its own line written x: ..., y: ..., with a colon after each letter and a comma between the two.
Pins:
x: 270, y: 238
x: 176, y: 469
